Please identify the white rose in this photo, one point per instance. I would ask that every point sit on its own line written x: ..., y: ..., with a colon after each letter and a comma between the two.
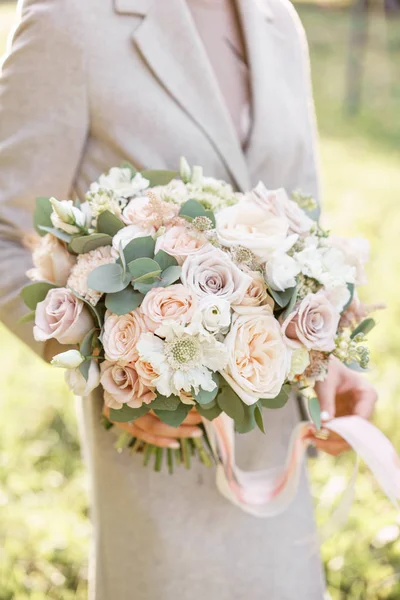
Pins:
x: 278, y: 203
x: 212, y: 272
x: 280, y: 271
x: 216, y: 314
x: 78, y: 384
x: 356, y: 253
x: 248, y: 224
x: 71, y: 359
x: 127, y: 234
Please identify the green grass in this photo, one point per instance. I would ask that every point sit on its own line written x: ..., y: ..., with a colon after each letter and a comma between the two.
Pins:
x: 44, y: 528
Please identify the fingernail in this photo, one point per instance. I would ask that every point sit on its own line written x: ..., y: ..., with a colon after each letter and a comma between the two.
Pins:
x: 325, y: 416
x: 196, y: 433
x: 174, y: 445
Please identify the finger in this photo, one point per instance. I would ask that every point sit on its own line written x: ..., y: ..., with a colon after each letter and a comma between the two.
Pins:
x: 326, y: 392
x: 156, y: 440
x: 333, y: 447
x: 152, y: 424
x: 366, y: 400
x: 193, y: 418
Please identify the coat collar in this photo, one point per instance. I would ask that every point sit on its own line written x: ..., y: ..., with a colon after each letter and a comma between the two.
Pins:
x: 168, y: 41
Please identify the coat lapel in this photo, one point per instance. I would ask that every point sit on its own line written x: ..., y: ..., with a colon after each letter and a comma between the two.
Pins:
x: 169, y: 43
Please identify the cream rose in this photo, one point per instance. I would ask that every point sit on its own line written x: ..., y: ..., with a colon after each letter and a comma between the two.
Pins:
x: 62, y: 316
x: 313, y: 323
x: 175, y: 302
x: 250, y: 225
x: 212, y: 272
x: 215, y: 314
x: 259, y: 359
x: 256, y: 293
x: 181, y: 242
x: 122, y: 385
x: 121, y: 334
x: 279, y: 204
x: 78, y: 384
x: 52, y: 261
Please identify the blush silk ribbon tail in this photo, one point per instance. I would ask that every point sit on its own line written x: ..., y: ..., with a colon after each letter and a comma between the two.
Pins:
x: 269, y: 492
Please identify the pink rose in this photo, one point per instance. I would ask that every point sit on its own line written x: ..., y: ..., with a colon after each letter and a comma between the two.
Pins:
x: 122, y: 385
x: 52, y: 261
x: 278, y: 203
x: 256, y: 294
x: 176, y: 303
x: 179, y: 241
x: 62, y: 316
x: 313, y: 323
x: 146, y: 372
x: 121, y: 334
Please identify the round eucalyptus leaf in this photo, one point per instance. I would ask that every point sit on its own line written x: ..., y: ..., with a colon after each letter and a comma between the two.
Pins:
x: 279, y: 401
x: 126, y: 413
x: 123, y: 302
x: 41, y: 215
x: 144, y: 270
x: 192, y: 209
x: 174, y: 417
x: 108, y: 279
x: 85, y: 243
x: 165, y: 260
x: 159, y: 177
x: 109, y: 223
x: 141, y: 247
x: 36, y: 292
x: 165, y: 403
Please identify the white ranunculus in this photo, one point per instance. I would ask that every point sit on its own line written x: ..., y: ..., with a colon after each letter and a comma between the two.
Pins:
x: 356, y: 253
x: 212, y: 272
x: 281, y: 271
x: 66, y: 216
x: 78, y: 384
x: 127, y: 234
x: 326, y: 264
x: 71, y: 359
x: 215, y: 314
x: 250, y: 225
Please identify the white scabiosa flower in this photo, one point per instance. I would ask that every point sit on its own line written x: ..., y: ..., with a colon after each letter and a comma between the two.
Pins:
x: 184, y: 359
x: 85, y: 264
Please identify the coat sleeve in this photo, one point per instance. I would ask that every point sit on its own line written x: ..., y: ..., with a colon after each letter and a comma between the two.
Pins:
x: 43, y: 129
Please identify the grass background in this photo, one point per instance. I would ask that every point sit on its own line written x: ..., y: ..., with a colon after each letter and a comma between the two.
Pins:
x: 44, y: 528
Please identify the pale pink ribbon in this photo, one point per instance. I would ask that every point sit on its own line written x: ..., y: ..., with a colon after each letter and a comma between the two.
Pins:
x: 269, y: 492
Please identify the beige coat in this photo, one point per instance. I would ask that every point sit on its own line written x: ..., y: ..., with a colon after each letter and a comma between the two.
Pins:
x: 88, y: 84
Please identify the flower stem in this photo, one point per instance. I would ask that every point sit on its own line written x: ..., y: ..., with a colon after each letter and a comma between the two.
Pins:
x: 147, y: 453
x: 170, y: 461
x: 185, y: 452
x: 204, y: 456
x: 159, y: 457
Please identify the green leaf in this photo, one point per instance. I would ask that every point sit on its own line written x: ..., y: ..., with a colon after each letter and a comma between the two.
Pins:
x: 61, y: 235
x: 127, y: 165
x: 85, y: 243
x: 315, y: 411
x: 209, y: 412
x: 364, y: 327
x: 123, y: 302
x: 169, y: 276
x: 211, y: 216
x: 351, y: 288
x: 144, y: 269
x: 109, y: 223
x: 159, y: 177
x: 36, y: 292
x: 96, y: 311
x: 259, y: 418
x: 141, y: 247
x: 291, y: 304
x: 126, y: 413
x: 165, y: 260
x: 282, y: 299
x: 108, y: 278
x: 192, y: 209
x: 41, y: 215
x: 30, y: 316
x: 230, y: 403
x: 84, y: 369
x: 248, y: 422
x: 165, y: 403
x: 203, y: 397
x: 280, y: 400
x: 174, y: 417
x: 85, y: 347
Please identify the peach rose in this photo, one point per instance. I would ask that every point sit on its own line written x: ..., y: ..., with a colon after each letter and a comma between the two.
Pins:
x: 52, y: 261
x: 179, y: 241
x: 259, y: 359
x: 121, y: 334
x: 256, y: 294
x: 146, y: 372
x: 62, y: 316
x: 313, y: 323
x: 122, y: 385
x: 176, y: 303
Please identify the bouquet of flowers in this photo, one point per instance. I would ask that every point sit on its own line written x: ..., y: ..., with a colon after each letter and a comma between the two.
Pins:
x: 177, y: 292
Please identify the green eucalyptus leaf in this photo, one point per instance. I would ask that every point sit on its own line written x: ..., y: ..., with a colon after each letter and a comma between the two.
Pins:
x: 123, y: 302
x: 109, y: 223
x: 61, y: 235
x: 108, y: 279
x: 41, y: 215
x: 209, y: 412
x: 126, y: 413
x: 364, y: 327
x: 141, y: 247
x: 211, y: 216
x: 85, y: 243
x: 128, y: 165
x: 143, y: 270
x: 248, y: 423
x: 351, y: 288
x: 85, y: 347
x: 259, y: 418
x: 192, y: 209
x: 280, y: 400
x: 96, y: 311
x: 166, y: 403
x: 174, y: 417
x: 169, y: 276
x: 30, y: 316
x: 165, y: 260
x: 36, y: 292
x: 144, y: 288
x: 283, y: 299
x: 204, y: 397
x: 315, y: 411
x: 291, y: 304
x: 159, y: 177
x: 230, y: 403
x: 84, y: 369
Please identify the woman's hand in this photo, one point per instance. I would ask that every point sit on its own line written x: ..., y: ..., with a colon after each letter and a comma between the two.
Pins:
x: 344, y: 392
x: 151, y: 429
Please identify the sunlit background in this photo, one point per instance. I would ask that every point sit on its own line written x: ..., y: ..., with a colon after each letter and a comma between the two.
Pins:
x: 44, y: 528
